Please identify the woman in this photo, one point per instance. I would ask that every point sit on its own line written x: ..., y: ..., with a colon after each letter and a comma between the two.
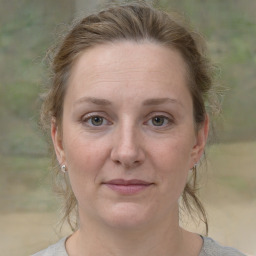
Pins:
x: 129, y: 125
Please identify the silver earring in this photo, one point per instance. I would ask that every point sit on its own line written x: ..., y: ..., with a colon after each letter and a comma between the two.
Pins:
x: 194, y: 167
x: 63, y: 168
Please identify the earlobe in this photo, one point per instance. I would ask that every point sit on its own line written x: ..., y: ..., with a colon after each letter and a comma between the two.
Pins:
x: 57, y: 141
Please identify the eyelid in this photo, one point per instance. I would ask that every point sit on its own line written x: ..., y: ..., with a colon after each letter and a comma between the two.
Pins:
x: 88, y: 116
x: 160, y: 114
x: 167, y: 116
x: 103, y: 115
x: 92, y: 114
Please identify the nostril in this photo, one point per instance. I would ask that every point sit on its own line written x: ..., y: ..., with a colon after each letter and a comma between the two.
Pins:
x: 117, y: 162
x: 128, y: 164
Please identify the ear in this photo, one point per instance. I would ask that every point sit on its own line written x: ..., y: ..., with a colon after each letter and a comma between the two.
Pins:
x: 57, y: 141
x: 200, y: 142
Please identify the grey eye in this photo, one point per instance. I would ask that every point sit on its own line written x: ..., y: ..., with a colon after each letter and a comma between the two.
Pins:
x: 96, y: 120
x: 159, y: 120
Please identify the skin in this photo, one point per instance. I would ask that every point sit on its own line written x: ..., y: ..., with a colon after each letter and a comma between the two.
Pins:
x: 129, y: 144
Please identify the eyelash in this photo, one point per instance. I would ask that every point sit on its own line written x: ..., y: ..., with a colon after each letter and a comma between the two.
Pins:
x: 88, y: 118
x: 167, y: 121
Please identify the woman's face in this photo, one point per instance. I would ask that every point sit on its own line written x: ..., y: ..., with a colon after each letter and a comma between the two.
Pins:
x: 128, y: 136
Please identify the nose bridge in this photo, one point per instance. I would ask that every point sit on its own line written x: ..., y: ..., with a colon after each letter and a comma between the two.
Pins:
x: 126, y: 138
x: 127, y: 149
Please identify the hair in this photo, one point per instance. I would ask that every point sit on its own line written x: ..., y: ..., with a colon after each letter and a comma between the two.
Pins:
x: 137, y: 22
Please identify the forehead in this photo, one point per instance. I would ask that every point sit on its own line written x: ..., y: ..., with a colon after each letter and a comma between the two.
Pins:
x: 147, y: 55
x: 118, y: 65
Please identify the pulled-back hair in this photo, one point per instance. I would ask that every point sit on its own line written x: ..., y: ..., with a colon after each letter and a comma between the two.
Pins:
x: 133, y: 22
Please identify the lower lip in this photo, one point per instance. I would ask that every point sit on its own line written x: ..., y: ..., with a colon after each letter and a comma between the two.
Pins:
x: 128, y: 189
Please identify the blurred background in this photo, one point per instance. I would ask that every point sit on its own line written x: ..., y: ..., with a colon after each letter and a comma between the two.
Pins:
x: 28, y: 207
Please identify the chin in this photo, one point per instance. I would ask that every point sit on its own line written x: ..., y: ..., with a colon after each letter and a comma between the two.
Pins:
x: 127, y: 215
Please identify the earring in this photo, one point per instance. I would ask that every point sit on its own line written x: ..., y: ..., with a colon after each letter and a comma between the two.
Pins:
x: 63, y: 168
x: 194, y: 167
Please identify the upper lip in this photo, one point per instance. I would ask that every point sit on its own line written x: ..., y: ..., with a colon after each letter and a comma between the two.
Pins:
x: 127, y: 182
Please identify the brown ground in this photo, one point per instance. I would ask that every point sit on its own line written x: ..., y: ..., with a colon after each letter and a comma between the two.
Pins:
x: 26, y: 233
x: 230, y: 199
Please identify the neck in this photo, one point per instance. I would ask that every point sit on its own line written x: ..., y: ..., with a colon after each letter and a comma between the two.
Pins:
x: 139, y: 242
x: 163, y: 238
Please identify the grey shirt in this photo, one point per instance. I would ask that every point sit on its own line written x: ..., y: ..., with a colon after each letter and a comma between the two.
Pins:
x: 210, y: 248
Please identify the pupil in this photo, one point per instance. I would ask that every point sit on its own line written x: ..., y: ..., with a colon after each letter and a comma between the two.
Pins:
x: 97, y: 120
x: 158, y: 121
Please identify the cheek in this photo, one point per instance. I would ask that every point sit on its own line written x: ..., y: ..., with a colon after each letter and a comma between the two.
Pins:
x: 172, y: 160
x: 173, y: 153
x: 81, y: 149
x: 85, y: 158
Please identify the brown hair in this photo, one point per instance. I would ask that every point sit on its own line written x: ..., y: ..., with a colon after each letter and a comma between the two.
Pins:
x: 136, y: 22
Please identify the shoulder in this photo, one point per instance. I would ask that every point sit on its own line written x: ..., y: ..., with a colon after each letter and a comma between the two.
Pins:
x: 57, y: 249
x: 212, y: 248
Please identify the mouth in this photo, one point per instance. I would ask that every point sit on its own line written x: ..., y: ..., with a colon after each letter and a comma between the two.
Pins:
x: 127, y: 187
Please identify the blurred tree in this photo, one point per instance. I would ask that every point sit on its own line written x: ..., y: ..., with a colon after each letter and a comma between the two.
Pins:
x: 28, y: 28
x: 26, y: 31
x: 88, y: 6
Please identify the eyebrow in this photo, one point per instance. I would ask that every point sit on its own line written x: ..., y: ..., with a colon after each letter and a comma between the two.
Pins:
x: 96, y: 101
x: 148, y: 102
x: 159, y: 101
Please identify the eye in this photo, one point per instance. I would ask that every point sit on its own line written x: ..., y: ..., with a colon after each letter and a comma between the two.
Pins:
x: 95, y: 120
x: 160, y: 121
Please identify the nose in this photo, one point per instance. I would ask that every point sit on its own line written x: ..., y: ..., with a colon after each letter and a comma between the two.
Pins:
x: 127, y: 148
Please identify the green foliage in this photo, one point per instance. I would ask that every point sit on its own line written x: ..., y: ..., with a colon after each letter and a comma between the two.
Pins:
x: 25, y: 184
x: 230, y: 28
x: 27, y: 30
x: 21, y: 98
x: 232, y: 167
x: 25, y: 34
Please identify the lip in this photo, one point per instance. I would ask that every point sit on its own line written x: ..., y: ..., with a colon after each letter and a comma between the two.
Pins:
x: 128, y: 187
